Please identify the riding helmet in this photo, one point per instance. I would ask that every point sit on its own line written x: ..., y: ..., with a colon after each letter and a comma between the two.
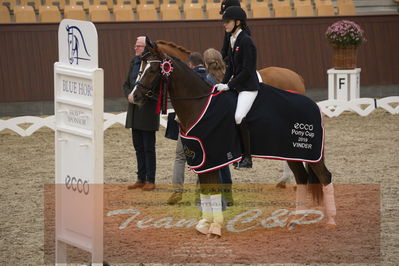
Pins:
x: 228, y: 3
x: 234, y: 13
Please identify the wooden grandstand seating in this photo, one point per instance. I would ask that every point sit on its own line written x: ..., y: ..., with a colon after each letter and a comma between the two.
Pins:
x: 108, y: 3
x: 24, y: 14
x: 346, y: 8
x: 196, y: 2
x: 178, y: 2
x: 303, y: 8
x: 123, y: 13
x: 258, y: 3
x: 83, y: 3
x: 261, y: 12
x: 34, y: 3
x: 281, y: 3
x: 8, y: 3
x: 131, y: 3
x: 212, y: 10
x: 245, y: 7
x: 260, y: 9
x: 170, y: 11
x: 304, y: 11
x: 99, y: 13
x: 376, y: 7
x: 282, y: 11
x: 147, y: 12
x: 4, y: 15
x: 302, y: 3
x: 149, y: 2
x: 282, y: 8
x: 193, y: 11
x: 49, y: 14
x: 59, y: 3
x: 322, y: 2
x: 74, y: 12
x: 344, y: 2
x: 325, y: 10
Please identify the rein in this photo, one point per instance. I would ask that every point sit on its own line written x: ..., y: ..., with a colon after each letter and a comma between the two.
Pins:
x: 194, y: 97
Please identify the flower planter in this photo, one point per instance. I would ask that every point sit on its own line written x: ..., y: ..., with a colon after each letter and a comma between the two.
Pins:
x: 345, y: 57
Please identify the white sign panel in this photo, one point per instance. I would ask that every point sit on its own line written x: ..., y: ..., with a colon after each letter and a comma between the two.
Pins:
x: 343, y: 84
x: 78, y: 104
x: 78, y: 43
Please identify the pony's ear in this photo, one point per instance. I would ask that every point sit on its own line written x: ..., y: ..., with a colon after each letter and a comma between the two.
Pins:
x: 148, y: 42
x: 152, y: 47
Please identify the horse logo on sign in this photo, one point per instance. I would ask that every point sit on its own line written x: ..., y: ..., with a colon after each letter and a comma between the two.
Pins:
x: 76, y: 45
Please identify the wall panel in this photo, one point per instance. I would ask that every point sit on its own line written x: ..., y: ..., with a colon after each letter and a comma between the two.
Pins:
x: 28, y: 51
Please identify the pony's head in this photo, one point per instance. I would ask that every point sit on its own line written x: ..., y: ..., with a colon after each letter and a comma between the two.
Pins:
x: 155, y: 68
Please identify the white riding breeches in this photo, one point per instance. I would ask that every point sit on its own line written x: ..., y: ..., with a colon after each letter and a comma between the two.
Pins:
x: 244, y: 104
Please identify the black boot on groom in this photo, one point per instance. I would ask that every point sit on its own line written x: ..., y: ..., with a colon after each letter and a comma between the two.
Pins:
x: 246, y: 161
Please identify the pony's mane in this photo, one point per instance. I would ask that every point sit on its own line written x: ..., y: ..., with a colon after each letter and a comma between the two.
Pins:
x: 185, y: 66
x: 173, y: 45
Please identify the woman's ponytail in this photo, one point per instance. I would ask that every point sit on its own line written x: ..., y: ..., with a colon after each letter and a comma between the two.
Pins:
x: 245, y: 27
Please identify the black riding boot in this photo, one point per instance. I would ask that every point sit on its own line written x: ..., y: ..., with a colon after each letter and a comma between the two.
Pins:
x: 246, y: 161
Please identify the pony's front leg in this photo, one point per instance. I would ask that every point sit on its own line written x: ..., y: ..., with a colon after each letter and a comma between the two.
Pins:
x: 301, y: 202
x: 286, y: 176
x: 211, y: 205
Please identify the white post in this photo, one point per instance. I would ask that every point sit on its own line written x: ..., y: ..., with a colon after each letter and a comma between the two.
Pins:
x: 343, y: 84
x: 78, y: 105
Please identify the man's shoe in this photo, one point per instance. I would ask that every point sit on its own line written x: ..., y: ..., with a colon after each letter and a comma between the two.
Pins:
x: 138, y: 184
x: 175, y: 198
x: 148, y: 186
x: 246, y: 162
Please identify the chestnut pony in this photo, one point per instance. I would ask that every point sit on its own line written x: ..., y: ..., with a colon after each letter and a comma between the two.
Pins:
x: 188, y: 94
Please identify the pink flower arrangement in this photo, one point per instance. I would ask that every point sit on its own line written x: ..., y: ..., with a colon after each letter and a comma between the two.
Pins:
x: 344, y: 33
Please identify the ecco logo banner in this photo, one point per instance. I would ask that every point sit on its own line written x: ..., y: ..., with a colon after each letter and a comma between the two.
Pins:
x: 77, y: 184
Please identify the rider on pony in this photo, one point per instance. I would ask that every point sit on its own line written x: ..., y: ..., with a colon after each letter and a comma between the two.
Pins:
x: 226, y: 41
x: 241, y: 74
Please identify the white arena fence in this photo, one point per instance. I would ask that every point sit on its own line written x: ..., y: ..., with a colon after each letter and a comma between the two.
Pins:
x: 331, y: 108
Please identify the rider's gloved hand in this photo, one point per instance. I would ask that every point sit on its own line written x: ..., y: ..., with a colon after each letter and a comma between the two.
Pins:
x: 222, y: 87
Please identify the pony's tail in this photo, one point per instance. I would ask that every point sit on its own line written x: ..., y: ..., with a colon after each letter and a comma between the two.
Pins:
x: 314, y: 185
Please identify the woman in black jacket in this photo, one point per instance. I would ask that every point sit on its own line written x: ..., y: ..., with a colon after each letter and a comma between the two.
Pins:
x: 226, y: 41
x: 241, y: 73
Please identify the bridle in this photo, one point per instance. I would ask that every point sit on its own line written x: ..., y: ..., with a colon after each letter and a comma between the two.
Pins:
x: 166, y: 68
x: 149, y: 93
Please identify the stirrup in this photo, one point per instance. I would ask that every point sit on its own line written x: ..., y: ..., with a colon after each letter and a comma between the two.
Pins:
x: 246, y: 162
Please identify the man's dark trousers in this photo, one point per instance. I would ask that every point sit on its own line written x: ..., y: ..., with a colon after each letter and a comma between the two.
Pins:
x: 144, y: 144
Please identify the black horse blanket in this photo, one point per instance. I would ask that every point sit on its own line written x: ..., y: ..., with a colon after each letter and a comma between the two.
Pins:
x: 283, y: 125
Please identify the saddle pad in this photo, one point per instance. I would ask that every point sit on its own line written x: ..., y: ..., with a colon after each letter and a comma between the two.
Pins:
x: 283, y: 125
